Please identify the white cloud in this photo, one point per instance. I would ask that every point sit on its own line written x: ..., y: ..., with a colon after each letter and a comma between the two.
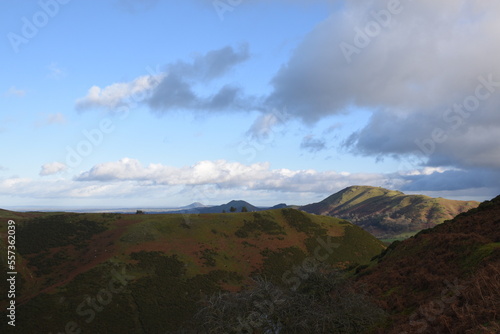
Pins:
x: 52, y: 119
x: 13, y: 91
x: 127, y: 182
x: 119, y: 94
x: 224, y: 174
x: 56, y: 72
x: 57, y: 118
x: 52, y: 168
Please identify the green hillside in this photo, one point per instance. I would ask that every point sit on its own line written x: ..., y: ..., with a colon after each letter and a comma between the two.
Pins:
x: 387, y: 213
x: 443, y: 280
x: 118, y: 273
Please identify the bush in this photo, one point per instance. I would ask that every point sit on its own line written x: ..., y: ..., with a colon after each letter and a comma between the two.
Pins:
x: 324, y: 303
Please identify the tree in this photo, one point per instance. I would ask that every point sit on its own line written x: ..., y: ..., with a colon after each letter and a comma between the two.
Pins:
x: 232, y: 209
x: 139, y: 212
x: 223, y: 211
x: 244, y: 209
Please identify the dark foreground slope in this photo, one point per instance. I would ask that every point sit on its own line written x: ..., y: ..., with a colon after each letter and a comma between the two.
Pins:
x: 112, y: 273
x: 443, y: 280
x: 388, y: 213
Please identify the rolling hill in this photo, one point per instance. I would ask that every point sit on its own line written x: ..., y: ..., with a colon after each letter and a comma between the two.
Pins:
x: 443, y: 280
x: 387, y: 213
x: 126, y: 273
x: 236, y: 204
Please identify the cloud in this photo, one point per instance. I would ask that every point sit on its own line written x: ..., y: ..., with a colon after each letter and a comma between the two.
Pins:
x: 56, y: 72
x: 52, y: 168
x: 311, y: 144
x: 57, y: 118
x: 13, y: 91
x: 177, y: 89
x: 409, y: 68
x: 51, y: 119
x: 230, y: 175
x: 174, y: 88
x: 452, y: 180
x: 128, y: 182
x: 266, y: 125
x: 119, y: 94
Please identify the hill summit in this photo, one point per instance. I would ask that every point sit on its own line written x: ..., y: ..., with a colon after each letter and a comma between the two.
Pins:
x: 388, y: 213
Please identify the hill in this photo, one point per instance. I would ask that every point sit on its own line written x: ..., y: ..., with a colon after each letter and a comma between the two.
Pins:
x: 238, y: 205
x: 119, y: 273
x: 443, y: 280
x: 387, y: 213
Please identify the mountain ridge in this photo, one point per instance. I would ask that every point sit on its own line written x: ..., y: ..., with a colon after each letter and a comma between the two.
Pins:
x: 388, y: 213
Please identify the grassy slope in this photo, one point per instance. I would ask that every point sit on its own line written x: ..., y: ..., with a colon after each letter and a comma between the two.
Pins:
x: 68, y: 259
x: 445, y: 279
x: 386, y: 213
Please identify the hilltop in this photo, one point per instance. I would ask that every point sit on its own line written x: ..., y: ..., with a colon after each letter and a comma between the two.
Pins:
x: 443, y: 280
x: 388, y: 213
x: 128, y: 273
x: 238, y: 205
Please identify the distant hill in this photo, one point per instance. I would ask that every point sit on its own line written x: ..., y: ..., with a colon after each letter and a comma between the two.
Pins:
x: 238, y: 205
x: 129, y: 273
x: 388, y: 213
x: 443, y: 280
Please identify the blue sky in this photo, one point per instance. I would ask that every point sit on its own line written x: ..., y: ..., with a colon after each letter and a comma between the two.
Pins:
x: 123, y: 103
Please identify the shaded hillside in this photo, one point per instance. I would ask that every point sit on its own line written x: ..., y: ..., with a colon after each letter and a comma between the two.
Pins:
x: 387, y: 213
x: 237, y: 205
x: 443, y: 280
x: 118, y: 273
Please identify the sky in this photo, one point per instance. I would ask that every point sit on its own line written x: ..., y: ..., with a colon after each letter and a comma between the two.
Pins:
x: 158, y: 103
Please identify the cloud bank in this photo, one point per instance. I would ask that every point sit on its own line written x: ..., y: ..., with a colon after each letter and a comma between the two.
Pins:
x: 423, y: 68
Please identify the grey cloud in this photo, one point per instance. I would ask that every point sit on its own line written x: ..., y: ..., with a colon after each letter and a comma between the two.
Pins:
x: 312, y: 144
x: 226, y: 97
x: 172, y: 92
x: 453, y: 180
x: 217, y: 62
x: 176, y: 90
x: 211, y: 65
x: 426, y: 58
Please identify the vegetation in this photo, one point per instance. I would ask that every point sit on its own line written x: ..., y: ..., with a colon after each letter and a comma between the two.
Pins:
x: 389, y: 214
x: 173, y: 261
x: 325, y: 302
x: 261, y: 223
x: 42, y: 233
x: 442, y: 280
x: 254, y: 272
